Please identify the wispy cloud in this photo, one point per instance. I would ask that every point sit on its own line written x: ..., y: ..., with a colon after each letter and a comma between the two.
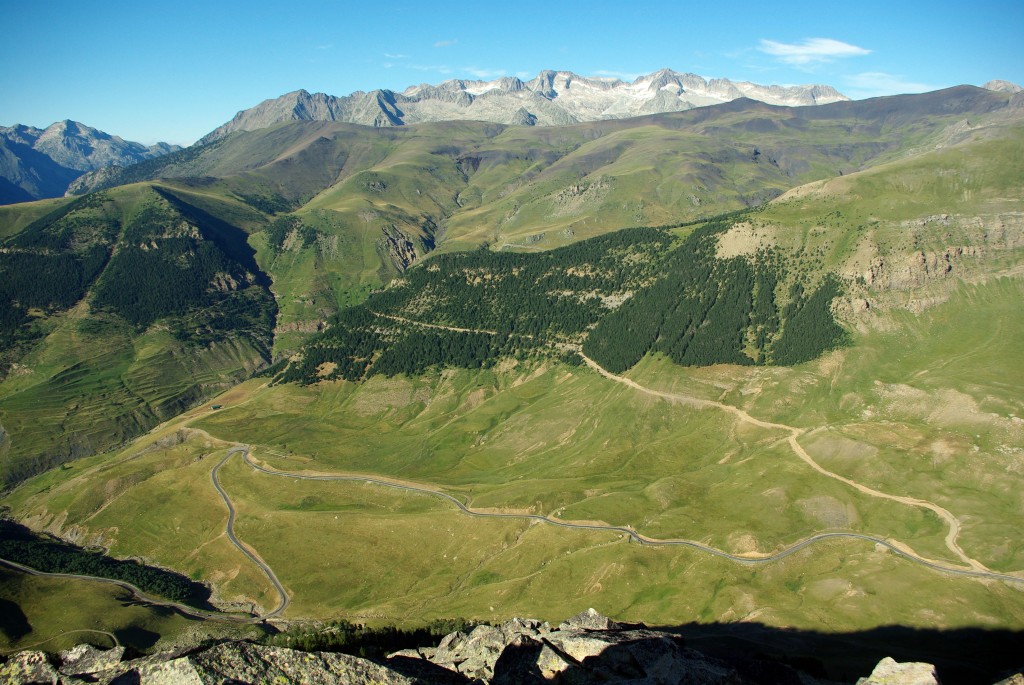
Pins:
x: 484, y: 73
x: 876, y: 83
x: 624, y: 75
x: 811, y: 51
x: 326, y: 46
x: 395, y: 55
x: 445, y: 70
x: 439, y: 68
x: 444, y: 43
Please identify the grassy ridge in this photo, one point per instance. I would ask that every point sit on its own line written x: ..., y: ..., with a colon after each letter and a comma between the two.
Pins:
x: 129, y: 307
x: 563, y: 441
x: 924, y: 403
x: 54, y: 614
x: 458, y: 185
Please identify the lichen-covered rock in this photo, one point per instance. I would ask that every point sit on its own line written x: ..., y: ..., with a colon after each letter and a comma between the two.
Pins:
x: 29, y: 667
x: 178, y: 671
x: 85, y: 659
x: 589, y: 620
x: 249, y: 663
x: 581, y: 651
x: 890, y: 672
x: 517, y: 652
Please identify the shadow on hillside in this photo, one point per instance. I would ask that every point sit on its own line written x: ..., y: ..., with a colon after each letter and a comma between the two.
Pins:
x: 964, y: 655
x: 762, y: 654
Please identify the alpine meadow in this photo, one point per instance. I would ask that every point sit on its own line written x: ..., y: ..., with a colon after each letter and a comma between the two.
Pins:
x: 745, y: 366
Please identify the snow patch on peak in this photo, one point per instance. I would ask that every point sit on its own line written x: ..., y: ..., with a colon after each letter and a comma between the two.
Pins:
x: 550, y: 98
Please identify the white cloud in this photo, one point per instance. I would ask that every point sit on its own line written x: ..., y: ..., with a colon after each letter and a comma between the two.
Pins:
x: 484, y: 73
x: 876, y: 83
x: 395, y: 55
x: 624, y: 75
x: 327, y: 46
x: 811, y: 51
x: 444, y: 43
x: 440, y: 68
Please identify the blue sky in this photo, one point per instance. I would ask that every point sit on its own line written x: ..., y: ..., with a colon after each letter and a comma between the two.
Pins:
x: 177, y: 69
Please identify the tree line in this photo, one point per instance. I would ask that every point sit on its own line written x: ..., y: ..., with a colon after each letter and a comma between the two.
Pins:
x: 43, y: 553
x: 623, y: 295
x: 51, y: 264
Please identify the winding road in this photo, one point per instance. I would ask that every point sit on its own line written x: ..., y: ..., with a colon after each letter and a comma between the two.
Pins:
x: 137, y: 594
x: 229, y: 530
x: 974, y: 568
x: 632, y: 534
x: 798, y: 450
x: 794, y: 433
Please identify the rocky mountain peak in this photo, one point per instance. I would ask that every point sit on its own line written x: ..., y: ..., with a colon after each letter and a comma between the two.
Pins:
x: 511, y: 84
x: 551, y: 98
x: 1003, y: 86
x: 39, y: 163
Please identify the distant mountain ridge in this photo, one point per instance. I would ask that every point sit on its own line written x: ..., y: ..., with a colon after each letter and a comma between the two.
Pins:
x: 40, y: 163
x: 552, y: 98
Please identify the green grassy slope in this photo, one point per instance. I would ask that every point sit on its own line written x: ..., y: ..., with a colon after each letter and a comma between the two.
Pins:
x: 54, y: 614
x: 924, y: 403
x: 133, y: 307
x: 381, y: 198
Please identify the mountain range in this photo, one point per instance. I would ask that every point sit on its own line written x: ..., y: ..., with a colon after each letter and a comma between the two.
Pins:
x: 336, y: 210
x: 739, y: 363
x: 41, y: 163
x: 71, y: 158
x: 552, y: 98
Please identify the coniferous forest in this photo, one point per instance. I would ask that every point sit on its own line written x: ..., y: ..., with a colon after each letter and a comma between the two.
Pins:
x: 620, y: 296
x: 21, y: 545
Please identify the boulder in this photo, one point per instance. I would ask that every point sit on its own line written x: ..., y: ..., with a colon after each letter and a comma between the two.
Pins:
x: 29, y: 667
x: 589, y: 620
x: 85, y: 659
x: 890, y: 672
x: 587, y: 648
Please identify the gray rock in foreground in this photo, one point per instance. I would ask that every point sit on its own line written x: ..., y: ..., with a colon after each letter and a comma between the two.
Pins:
x: 587, y: 648
x: 890, y: 672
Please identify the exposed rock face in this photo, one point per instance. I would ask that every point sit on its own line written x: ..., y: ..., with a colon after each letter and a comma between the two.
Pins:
x: 1003, y: 86
x: 889, y: 672
x: 231, y: 662
x: 30, y: 667
x: 588, y: 648
x: 553, y: 98
x: 86, y: 659
x: 584, y: 649
x: 38, y: 163
x: 399, y: 247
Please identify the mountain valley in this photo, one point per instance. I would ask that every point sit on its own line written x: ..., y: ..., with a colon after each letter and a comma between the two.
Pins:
x: 744, y: 362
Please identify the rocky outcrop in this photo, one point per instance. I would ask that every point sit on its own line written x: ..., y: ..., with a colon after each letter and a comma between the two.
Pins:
x: 890, y: 672
x: 587, y: 648
x: 1001, y: 86
x: 398, y: 247
x: 230, y: 662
